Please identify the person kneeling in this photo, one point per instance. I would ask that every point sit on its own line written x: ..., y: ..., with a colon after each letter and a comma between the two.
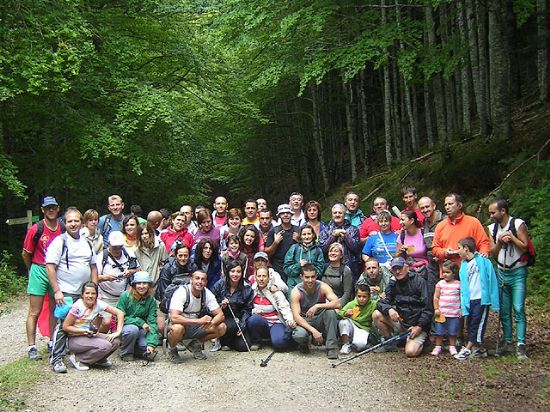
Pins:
x: 406, y: 306
x: 188, y: 318
x: 356, y: 320
x: 87, y: 346
x: 312, y: 303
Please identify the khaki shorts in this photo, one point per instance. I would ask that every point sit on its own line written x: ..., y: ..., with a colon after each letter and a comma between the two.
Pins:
x: 399, y: 328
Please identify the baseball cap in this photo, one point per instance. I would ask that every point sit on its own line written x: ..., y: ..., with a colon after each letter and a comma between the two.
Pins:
x: 49, y: 201
x: 397, y: 262
x: 116, y: 239
x: 284, y: 208
x: 261, y: 255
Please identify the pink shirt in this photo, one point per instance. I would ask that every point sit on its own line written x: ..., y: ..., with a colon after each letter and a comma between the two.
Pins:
x: 416, y: 245
x: 449, y: 298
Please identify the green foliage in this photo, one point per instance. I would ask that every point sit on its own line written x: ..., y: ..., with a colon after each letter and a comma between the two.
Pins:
x: 10, y: 282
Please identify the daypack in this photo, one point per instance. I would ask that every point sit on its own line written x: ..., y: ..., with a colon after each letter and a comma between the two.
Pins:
x: 40, y: 229
x: 341, y: 270
x: 65, y: 249
x: 132, y: 261
x: 164, y: 304
x: 530, y: 255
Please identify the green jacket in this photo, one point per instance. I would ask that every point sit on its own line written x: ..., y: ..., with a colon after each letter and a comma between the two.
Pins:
x: 364, y: 319
x: 138, y: 312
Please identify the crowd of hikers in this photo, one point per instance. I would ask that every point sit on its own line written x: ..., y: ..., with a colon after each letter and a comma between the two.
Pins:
x: 238, y: 279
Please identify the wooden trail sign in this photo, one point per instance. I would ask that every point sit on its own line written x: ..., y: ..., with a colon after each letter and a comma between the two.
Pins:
x: 29, y: 220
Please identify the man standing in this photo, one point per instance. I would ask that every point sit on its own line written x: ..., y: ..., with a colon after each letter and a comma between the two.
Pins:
x: 39, y: 236
x: 410, y: 196
x: 112, y: 222
x: 266, y: 223
x: 251, y: 213
x: 178, y: 231
x: 432, y: 217
x: 370, y: 224
x: 154, y: 218
x: 509, y: 242
x: 70, y: 263
x: 189, y: 318
x: 353, y: 214
x: 313, y: 303
x: 219, y: 215
x: 296, y: 202
x: 280, y: 238
x: 192, y: 226
x: 262, y: 204
x: 456, y: 227
x: 406, y: 306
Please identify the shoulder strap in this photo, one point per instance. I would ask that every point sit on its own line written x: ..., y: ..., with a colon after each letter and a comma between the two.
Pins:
x: 402, y: 237
x: 341, y: 271
x: 39, y: 230
x: 64, y: 248
x: 495, y: 230
x: 187, y: 297
x: 512, y: 226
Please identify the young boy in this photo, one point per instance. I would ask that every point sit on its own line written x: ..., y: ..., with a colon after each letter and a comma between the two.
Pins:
x: 478, y: 292
x: 356, y: 320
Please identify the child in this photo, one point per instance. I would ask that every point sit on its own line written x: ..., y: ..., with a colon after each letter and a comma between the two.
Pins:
x: 447, y: 305
x: 478, y: 291
x: 233, y: 252
x: 356, y: 320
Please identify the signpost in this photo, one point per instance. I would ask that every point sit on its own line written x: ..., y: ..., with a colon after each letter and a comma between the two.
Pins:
x: 29, y: 220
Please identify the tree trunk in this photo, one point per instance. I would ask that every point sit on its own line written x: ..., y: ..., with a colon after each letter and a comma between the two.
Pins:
x: 398, y: 132
x: 499, y: 65
x: 428, y: 115
x: 464, y: 71
x: 364, y: 121
x: 542, y: 50
x: 317, y: 138
x: 387, y: 99
x: 484, y: 80
x: 348, y: 95
x: 452, y: 125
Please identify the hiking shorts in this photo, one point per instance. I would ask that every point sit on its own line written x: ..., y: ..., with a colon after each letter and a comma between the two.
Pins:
x: 194, y: 332
x: 38, y: 281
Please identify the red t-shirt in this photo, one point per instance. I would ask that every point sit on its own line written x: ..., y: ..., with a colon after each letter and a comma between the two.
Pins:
x: 38, y: 249
x: 370, y: 225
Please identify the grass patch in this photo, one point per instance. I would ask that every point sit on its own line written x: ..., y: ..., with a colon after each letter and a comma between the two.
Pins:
x: 490, y: 371
x: 16, y: 376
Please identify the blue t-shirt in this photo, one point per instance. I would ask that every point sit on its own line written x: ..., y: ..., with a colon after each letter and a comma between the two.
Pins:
x: 376, y: 246
x: 112, y: 225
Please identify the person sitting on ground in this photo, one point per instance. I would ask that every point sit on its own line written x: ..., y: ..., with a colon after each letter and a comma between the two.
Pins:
x: 206, y: 230
x: 312, y: 303
x: 90, y: 232
x: 447, y: 308
x: 478, y: 292
x: 87, y: 346
x: 370, y: 225
x: 151, y: 253
x: 261, y: 260
x: 338, y: 275
x: 207, y: 259
x: 376, y: 277
x: 356, y: 320
x: 406, y: 306
x: 250, y: 245
x: 233, y: 226
x: 140, y: 333
x: 313, y: 217
x: 233, y: 252
x: 196, y: 315
x: 177, y: 232
x: 381, y: 245
x: 271, y: 316
x: 301, y: 254
x: 353, y: 213
x: 234, y: 295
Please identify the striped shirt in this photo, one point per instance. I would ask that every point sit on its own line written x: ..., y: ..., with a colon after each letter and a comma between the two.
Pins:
x: 449, y: 298
x: 266, y: 309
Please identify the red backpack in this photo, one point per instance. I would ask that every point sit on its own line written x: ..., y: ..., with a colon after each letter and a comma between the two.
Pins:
x: 530, y: 255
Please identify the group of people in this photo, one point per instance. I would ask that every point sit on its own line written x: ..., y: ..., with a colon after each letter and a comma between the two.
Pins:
x: 240, y: 280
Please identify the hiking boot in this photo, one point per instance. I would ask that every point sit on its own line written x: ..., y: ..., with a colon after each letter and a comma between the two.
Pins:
x: 79, y: 366
x: 33, y: 354
x: 225, y: 348
x: 254, y: 347
x: 216, y: 345
x: 174, y: 356
x: 304, y: 348
x: 196, y: 348
x: 478, y: 352
x: 436, y: 351
x: 504, y: 348
x: 521, y: 352
x: 346, y: 349
x: 59, y: 367
x: 103, y: 363
x: 127, y: 358
x: 332, y: 353
x: 463, y: 354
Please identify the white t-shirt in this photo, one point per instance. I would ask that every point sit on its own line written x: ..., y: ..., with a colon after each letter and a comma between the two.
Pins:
x: 509, y: 253
x: 112, y: 288
x: 84, y: 315
x: 192, y: 311
x: 474, y: 282
x: 71, y: 277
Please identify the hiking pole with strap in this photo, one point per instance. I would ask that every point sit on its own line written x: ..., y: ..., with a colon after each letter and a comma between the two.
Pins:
x: 386, y: 342
x: 238, y: 327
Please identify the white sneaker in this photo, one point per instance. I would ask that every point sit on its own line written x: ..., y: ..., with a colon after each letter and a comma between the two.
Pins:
x: 216, y: 345
x: 76, y: 364
x: 346, y: 349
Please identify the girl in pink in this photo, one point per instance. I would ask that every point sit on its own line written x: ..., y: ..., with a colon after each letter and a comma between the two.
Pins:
x: 447, y: 308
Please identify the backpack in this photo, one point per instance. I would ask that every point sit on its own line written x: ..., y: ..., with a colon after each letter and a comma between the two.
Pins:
x: 341, y: 270
x: 530, y: 255
x: 164, y: 304
x: 40, y: 230
x: 65, y: 249
x: 132, y: 261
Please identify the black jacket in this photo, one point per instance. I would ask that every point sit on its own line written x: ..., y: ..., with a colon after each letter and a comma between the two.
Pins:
x: 241, y: 301
x: 169, y: 272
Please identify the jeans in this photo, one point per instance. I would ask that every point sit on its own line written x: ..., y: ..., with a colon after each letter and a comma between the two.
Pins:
x: 260, y: 329
x: 514, y: 288
x: 133, y: 341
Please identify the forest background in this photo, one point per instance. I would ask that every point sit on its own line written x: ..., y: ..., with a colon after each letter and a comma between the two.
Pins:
x: 175, y: 101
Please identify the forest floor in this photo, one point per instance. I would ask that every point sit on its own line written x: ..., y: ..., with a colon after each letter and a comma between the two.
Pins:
x: 291, y: 381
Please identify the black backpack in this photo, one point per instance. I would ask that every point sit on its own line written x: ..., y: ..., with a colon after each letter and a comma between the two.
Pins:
x: 40, y: 230
x: 164, y: 304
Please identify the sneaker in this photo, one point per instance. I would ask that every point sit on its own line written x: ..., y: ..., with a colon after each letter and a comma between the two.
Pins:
x: 103, y: 363
x: 332, y: 354
x: 478, y: 352
x: 304, y: 349
x: 346, y: 349
x: 33, y: 354
x: 254, y: 347
x: 196, y: 347
x: 76, y: 364
x: 436, y: 351
x: 174, y: 356
x: 216, y: 345
x: 59, y: 367
x: 463, y: 354
x: 521, y: 352
x: 452, y: 350
x: 127, y: 358
x: 505, y: 348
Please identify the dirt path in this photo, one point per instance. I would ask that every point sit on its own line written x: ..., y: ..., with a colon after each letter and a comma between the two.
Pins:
x: 225, y: 381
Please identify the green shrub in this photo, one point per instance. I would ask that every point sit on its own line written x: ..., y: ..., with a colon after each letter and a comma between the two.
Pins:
x: 10, y: 282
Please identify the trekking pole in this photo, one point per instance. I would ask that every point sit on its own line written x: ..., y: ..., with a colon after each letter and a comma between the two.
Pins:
x: 394, y: 339
x: 264, y: 362
x: 239, y: 327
